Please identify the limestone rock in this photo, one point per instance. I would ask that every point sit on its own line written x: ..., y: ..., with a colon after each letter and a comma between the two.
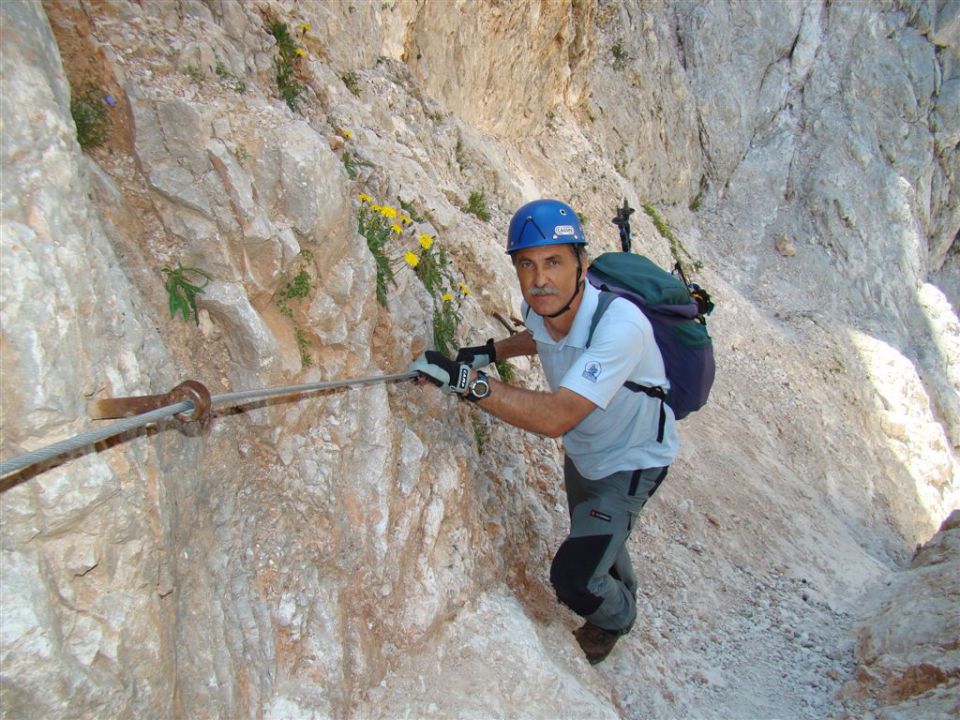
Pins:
x: 907, y: 644
x: 83, y: 611
x: 385, y: 550
x: 541, y: 63
x: 493, y: 651
x: 256, y: 347
x: 785, y: 246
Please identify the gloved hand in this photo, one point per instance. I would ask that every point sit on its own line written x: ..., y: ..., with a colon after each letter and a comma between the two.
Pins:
x: 449, y: 375
x: 478, y: 356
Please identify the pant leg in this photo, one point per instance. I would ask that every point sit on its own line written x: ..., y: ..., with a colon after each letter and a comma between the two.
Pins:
x: 622, y: 570
x: 591, y: 571
x: 642, y: 485
x: 578, y: 489
x: 577, y: 486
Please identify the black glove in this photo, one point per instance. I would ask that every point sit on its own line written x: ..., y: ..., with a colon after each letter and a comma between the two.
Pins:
x: 449, y: 375
x: 479, y: 356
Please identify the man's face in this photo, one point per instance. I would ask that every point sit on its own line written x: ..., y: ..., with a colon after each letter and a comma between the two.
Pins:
x: 547, y: 275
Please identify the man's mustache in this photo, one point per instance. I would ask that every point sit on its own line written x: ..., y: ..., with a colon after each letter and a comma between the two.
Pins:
x: 537, y: 292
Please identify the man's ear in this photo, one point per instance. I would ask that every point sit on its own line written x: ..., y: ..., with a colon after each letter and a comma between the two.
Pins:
x: 581, y: 255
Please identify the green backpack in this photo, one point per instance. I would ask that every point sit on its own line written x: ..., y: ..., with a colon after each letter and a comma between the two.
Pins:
x: 677, y: 311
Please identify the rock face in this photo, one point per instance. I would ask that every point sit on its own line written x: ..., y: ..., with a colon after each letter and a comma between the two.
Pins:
x: 908, y: 646
x: 383, y: 551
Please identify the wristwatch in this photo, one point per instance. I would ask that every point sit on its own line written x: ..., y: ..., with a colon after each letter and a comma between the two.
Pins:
x: 479, y: 387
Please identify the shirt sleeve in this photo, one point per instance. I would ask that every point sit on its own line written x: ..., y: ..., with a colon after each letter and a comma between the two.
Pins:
x: 611, y: 359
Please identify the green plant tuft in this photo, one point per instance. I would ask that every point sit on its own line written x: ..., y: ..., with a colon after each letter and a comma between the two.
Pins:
x: 194, y: 73
x: 481, y: 434
x: 460, y: 154
x: 410, y: 210
x: 677, y: 250
x: 352, y: 161
x: 433, y: 268
x: 446, y: 320
x: 287, y: 83
x: 375, y: 229
x: 477, y: 205
x: 303, y: 343
x: 436, y: 275
x: 297, y: 290
x: 505, y: 370
x: 90, y: 116
x: 182, y: 294
x: 237, y: 84
x: 620, y: 55
x: 352, y: 80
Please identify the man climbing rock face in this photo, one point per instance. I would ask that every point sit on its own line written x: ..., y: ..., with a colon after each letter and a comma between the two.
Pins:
x: 618, y: 443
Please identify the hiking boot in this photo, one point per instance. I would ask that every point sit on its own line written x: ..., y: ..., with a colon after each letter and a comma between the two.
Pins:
x: 595, y: 641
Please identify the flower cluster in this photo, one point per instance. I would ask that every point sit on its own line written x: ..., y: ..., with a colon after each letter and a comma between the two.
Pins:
x: 288, y: 54
x: 395, y: 243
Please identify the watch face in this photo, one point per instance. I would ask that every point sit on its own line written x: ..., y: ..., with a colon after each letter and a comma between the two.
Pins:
x: 480, y: 387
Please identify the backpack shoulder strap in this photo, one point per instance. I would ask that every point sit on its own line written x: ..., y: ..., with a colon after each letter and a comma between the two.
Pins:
x: 605, y: 299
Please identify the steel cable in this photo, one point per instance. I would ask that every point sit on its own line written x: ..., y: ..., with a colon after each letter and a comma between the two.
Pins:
x: 90, y: 437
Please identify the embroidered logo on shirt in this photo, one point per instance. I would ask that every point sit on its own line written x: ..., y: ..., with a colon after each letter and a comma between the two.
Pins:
x: 592, y: 371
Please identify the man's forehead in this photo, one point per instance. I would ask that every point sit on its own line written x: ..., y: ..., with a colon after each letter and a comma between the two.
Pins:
x: 543, y: 251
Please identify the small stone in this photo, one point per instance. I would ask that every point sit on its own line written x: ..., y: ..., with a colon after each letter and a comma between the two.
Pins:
x: 700, y: 678
x: 785, y: 246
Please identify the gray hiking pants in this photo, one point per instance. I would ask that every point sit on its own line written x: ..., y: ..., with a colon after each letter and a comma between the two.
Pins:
x: 591, y: 572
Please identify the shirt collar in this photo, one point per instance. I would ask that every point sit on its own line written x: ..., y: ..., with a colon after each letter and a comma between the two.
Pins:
x: 577, y: 337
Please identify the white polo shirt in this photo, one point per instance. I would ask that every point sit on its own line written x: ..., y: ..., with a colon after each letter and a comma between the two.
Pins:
x: 621, y: 433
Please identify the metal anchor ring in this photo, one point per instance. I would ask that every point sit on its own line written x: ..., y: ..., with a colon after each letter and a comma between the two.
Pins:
x: 120, y: 407
x: 196, y: 393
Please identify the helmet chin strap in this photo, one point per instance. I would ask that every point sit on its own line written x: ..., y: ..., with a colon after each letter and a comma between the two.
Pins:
x: 573, y: 297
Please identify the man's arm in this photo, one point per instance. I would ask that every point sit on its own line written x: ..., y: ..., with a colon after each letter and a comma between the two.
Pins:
x: 521, y: 343
x: 545, y: 413
x: 479, y: 356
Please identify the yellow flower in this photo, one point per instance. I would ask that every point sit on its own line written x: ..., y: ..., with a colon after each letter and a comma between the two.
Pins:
x: 426, y: 242
x: 299, y: 52
x: 397, y: 229
x: 446, y: 297
x: 375, y: 208
x: 464, y: 289
x: 387, y: 211
x: 363, y: 197
x: 305, y: 27
x: 347, y: 133
x: 411, y: 259
x: 405, y: 220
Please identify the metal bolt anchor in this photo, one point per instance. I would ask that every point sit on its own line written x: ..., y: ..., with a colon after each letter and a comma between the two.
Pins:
x: 121, y: 407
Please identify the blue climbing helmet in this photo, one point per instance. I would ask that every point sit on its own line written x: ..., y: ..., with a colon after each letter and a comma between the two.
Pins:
x: 544, y: 222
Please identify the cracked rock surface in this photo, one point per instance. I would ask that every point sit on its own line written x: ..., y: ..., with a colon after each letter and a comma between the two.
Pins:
x: 383, y: 551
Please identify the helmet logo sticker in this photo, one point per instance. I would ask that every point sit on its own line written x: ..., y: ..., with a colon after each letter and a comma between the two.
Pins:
x: 564, y: 230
